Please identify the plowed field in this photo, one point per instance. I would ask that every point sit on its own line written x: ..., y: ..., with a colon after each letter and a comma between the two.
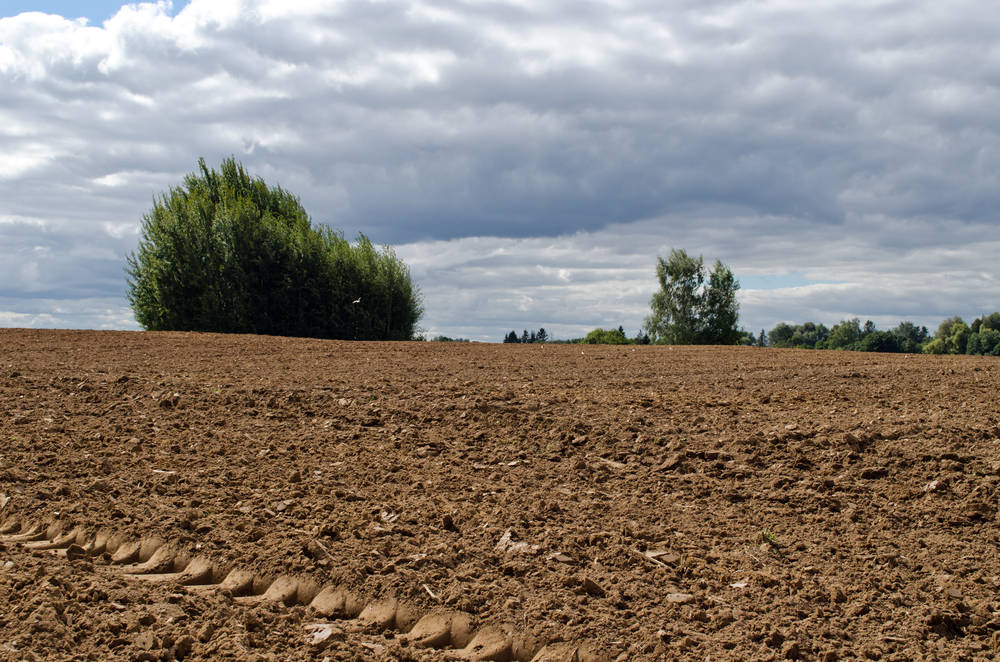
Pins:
x: 193, y: 496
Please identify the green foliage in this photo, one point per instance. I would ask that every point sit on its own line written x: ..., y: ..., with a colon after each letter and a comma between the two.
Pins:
x: 447, y: 339
x: 808, y: 335
x: 945, y: 328
x: 880, y: 341
x: 974, y: 344
x: 958, y: 338
x: 989, y: 341
x: 601, y: 337
x: 844, y: 335
x: 986, y: 342
x: 225, y: 252
x: 687, y: 309
x: 540, y: 336
x: 952, y: 337
x: 781, y: 335
x: 911, y: 337
x: 936, y: 346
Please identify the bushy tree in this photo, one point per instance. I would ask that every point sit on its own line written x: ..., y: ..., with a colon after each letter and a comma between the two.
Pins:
x: 781, y: 335
x: 944, y: 329
x: 225, y: 252
x: 958, y: 339
x: 809, y: 334
x: 688, y: 309
x: 991, y: 321
x: 512, y: 337
x: 606, y: 337
x: 935, y: 346
x: 880, y: 341
x: 542, y: 335
x: 911, y: 337
x: 974, y: 344
x: 989, y: 342
x: 844, y: 335
x: 955, y: 334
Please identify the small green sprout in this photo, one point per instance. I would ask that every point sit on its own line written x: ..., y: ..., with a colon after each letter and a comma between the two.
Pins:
x: 767, y: 536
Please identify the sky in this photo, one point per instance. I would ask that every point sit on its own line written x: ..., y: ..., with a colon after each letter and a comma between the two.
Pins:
x: 528, y: 160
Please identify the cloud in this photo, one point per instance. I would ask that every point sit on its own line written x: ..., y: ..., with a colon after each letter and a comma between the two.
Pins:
x: 486, y: 136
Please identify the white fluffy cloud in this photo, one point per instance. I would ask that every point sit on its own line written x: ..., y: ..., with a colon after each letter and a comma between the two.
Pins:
x: 529, y: 159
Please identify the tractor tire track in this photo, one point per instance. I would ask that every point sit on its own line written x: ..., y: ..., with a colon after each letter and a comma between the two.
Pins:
x: 152, y: 559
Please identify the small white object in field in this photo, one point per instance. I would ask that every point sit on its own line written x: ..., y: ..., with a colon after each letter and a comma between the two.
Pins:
x: 358, y: 300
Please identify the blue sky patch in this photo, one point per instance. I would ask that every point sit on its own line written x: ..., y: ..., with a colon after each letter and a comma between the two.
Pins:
x: 95, y: 11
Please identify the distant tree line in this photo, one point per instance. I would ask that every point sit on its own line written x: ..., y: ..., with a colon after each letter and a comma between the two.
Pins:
x: 598, y: 336
x: 535, y: 336
x: 617, y: 336
x: 953, y: 336
x: 694, y: 306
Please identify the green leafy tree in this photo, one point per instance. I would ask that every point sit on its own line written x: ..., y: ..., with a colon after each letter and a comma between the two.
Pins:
x: 989, y: 342
x: 911, y: 337
x: 935, y: 346
x: 762, y: 339
x: 880, y: 341
x: 606, y: 337
x: 944, y: 329
x: 690, y: 309
x: 542, y: 335
x: 512, y: 337
x: 809, y: 334
x: 641, y: 338
x: 781, y: 335
x: 954, y: 333
x: 225, y: 252
x: 974, y: 344
x: 958, y: 338
x: 845, y: 334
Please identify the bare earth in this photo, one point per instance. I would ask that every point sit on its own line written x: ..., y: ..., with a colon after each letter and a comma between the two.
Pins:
x: 192, y: 496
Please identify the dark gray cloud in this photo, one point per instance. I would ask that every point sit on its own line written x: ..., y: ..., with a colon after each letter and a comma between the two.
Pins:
x: 856, y: 134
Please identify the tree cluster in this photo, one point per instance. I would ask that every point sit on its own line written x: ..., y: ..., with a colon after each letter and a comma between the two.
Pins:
x: 617, y: 336
x: 535, y: 336
x: 225, y: 252
x: 953, y: 336
x: 600, y: 336
x: 692, y: 306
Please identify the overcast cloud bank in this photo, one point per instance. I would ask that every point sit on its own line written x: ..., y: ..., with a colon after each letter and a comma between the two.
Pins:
x: 528, y: 161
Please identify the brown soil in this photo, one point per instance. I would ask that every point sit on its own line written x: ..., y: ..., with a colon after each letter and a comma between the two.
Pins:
x: 632, y: 503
